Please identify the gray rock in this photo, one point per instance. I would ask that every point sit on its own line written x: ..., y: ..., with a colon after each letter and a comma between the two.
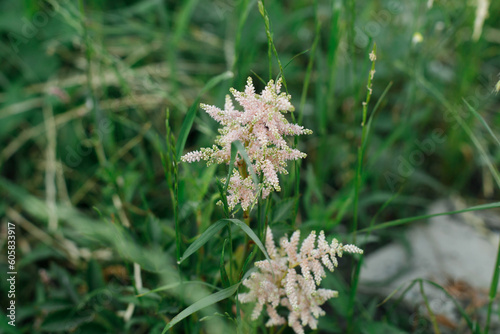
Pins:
x: 457, y: 252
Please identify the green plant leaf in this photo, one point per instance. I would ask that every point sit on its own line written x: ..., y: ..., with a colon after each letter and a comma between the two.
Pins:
x: 202, y: 303
x: 481, y: 119
x: 65, y: 321
x: 203, y: 238
x: 403, y: 221
x: 460, y: 309
x: 222, y: 265
x: 493, y: 291
x: 175, y: 285
x: 186, y: 128
x: 95, y: 279
x: 251, y: 234
x: 191, y: 114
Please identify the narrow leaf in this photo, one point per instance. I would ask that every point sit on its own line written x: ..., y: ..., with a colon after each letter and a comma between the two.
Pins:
x: 223, y: 272
x: 186, y: 127
x: 191, y: 114
x: 251, y: 234
x: 202, y: 303
x: 403, y: 221
x: 175, y: 285
x: 429, y: 309
x: 203, y: 238
x: 493, y: 291
x: 457, y: 304
x: 481, y: 119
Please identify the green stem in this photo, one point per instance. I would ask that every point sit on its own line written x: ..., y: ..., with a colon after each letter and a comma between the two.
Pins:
x: 357, y: 182
x: 493, y: 290
x: 357, y: 187
x: 230, y: 253
x: 429, y: 310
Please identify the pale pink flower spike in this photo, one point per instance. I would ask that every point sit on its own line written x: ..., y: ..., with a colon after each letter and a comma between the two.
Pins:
x: 277, y: 282
x: 261, y: 128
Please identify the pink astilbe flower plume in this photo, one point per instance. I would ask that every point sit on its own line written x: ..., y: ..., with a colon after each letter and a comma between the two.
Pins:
x: 261, y: 127
x: 279, y: 282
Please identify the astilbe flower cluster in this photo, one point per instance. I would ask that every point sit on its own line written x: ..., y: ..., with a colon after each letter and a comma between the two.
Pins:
x: 261, y: 127
x: 278, y: 282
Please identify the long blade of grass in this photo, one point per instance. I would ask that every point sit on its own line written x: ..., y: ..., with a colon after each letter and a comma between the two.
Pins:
x: 336, y: 33
x: 374, y: 112
x: 395, y: 291
x: 216, y: 227
x: 403, y: 221
x: 186, y: 128
x: 481, y: 119
x: 251, y: 234
x: 191, y: 114
x: 202, y: 303
x: 203, y: 238
x: 491, y: 167
x: 310, y: 65
x: 427, y: 85
x: 429, y: 310
x: 243, y: 11
x: 177, y: 284
x: 482, y: 151
x: 170, y: 167
x: 493, y: 291
x: 460, y: 309
x: 222, y: 266
x: 272, y: 47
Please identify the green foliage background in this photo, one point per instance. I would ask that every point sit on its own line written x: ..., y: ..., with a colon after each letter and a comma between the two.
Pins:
x: 84, y: 91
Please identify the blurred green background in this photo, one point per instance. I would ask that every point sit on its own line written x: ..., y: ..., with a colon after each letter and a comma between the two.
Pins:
x: 85, y: 86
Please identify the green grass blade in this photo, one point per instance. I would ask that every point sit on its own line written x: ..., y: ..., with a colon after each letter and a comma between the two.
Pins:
x: 481, y: 119
x: 203, y: 238
x: 263, y: 12
x: 251, y: 234
x: 177, y: 284
x: 216, y: 227
x: 183, y: 21
x: 427, y: 85
x: 403, y: 221
x: 187, y: 124
x: 243, y: 11
x: 395, y: 291
x: 307, y: 77
x: 493, y: 291
x: 223, y: 197
x: 223, y: 273
x: 200, y: 304
x: 374, y: 112
x: 480, y: 148
x: 191, y: 114
x: 297, y: 55
x: 460, y: 309
x: 429, y: 310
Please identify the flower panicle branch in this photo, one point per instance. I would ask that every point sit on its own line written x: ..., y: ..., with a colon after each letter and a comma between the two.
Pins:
x: 262, y: 128
x: 278, y: 282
